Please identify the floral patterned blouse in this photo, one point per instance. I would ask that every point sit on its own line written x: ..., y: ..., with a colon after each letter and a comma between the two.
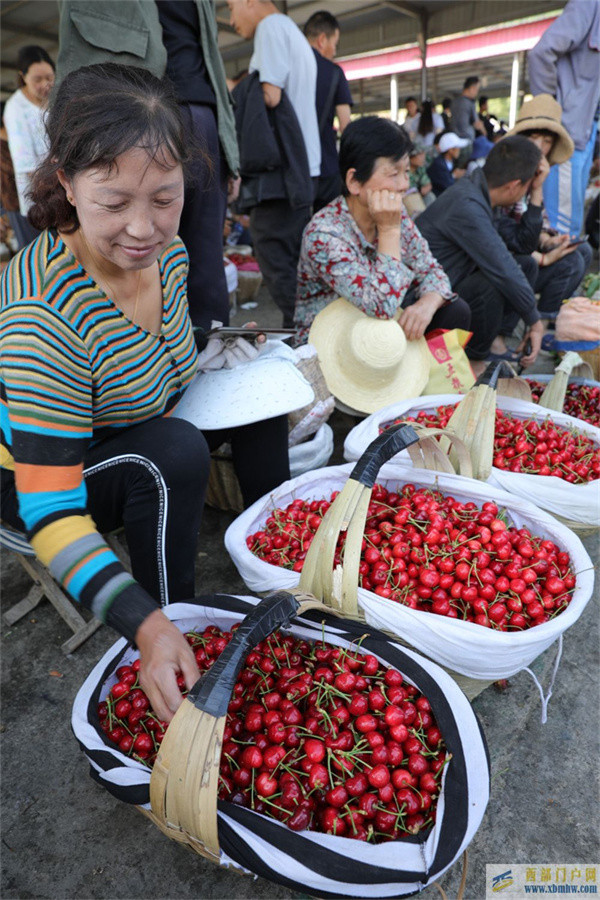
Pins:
x: 336, y: 260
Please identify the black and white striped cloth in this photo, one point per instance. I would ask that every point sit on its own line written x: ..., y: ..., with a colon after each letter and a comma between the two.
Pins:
x: 319, y: 864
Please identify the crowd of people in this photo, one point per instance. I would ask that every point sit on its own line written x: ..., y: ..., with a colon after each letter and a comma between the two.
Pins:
x: 124, y: 170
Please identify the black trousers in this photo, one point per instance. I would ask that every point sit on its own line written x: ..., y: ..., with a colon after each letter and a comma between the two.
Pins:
x: 488, y: 307
x: 276, y: 231
x: 553, y: 283
x: 557, y: 282
x: 203, y: 219
x: 260, y: 455
x: 151, y: 480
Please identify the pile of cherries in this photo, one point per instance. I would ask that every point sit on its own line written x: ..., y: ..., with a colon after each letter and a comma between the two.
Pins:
x: 316, y: 736
x: 581, y: 400
x: 529, y: 446
x: 436, y: 554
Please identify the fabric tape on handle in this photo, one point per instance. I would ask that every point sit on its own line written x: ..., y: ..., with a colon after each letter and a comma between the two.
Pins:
x: 212, y: 692
x: 494, y: 371
x: 380, y: 451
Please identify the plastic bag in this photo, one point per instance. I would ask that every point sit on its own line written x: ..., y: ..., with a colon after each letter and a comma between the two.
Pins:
x: 312, y: 454
x: 449, y: 366
x: 306, y: 421
x: 579, y: 320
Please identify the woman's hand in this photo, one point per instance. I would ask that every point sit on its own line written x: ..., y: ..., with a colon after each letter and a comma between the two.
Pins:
x: 164, y: 653
x: 415, y: 319
x: 385, y: 208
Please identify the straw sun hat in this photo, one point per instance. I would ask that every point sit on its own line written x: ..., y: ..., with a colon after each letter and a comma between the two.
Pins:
x: 544, y: 113
x: 367, y: 362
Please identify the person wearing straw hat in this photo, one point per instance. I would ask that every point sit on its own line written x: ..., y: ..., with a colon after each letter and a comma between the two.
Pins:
x: 525, y: 226
x: 363, y: 246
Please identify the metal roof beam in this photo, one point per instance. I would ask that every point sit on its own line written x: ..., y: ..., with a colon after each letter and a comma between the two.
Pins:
x: 403, y: 9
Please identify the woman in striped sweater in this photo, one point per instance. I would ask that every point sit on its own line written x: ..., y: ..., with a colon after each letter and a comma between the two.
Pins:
x: 96, y: 349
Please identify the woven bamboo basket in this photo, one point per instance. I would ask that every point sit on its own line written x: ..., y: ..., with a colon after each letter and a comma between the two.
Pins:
x: 311, y: 370
x: 592, y: 358
x: 338, y: 588
x: 249, y: 284
x: 223, y: 491
x: 185, y: 777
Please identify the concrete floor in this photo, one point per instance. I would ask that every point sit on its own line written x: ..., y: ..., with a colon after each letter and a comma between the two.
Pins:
x: 63, y: 836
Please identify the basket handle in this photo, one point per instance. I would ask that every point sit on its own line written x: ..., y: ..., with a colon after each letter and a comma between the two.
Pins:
x: 495, y: 370
x: 380, y: 451
x: 432, y: 454
x: 348, y: 513
x: 212, y: 692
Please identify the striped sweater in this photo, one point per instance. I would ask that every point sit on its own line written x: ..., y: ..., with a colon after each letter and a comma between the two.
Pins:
x: 73, y: 370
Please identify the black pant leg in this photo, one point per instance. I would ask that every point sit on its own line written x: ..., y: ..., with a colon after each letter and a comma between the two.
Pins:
x: 260, y: 455
x: 487, y: 310
x: 152, y: 479
x: 203, y: 219
x: 530, y: 270
x: 557, y: 282
x: 276, y: 231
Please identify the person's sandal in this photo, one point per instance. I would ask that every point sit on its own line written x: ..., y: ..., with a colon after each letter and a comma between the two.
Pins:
x: 509, y: 355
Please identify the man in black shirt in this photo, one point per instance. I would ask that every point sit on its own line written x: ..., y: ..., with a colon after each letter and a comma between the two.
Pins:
x: 333, y: 98
x: 196, y: 70
x: 460, y: 230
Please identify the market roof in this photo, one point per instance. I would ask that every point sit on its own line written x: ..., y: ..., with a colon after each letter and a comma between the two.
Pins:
x: 366, y: 27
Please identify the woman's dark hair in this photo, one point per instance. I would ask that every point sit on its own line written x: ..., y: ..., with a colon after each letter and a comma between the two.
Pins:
x: 98, y: 113
x: 426, y: 120
x: 27, y: 57
x: 514, y: 158
x: 528, y: 132
x: 367, y: 139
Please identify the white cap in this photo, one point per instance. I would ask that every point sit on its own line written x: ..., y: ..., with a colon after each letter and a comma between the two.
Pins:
x: 451, y: 140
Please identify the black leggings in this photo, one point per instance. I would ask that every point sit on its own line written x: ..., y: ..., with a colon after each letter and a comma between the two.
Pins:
x: 151, y: 480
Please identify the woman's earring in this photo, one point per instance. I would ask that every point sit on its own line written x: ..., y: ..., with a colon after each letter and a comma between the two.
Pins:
x: 71, y: 199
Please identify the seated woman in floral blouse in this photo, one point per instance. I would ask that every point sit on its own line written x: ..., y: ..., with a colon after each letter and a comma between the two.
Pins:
x: 363, y: 246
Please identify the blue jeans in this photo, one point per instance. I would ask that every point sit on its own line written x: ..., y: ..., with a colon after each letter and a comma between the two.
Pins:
x: 564, y: 189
